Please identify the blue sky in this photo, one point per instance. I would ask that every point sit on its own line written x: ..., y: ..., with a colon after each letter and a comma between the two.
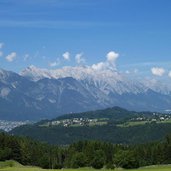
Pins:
x: 40, y: 32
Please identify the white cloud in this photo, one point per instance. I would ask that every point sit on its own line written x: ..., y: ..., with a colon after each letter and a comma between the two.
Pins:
x: 109, y: 63
x: 112, y: 56
x: 11, y: 56
x: 55, y: 63
x: 1, y: 45
x: 79, y: 58
x: 66, y: 56
x: 158, y: 71
x: 99, y: 66
x: 1, y: 53
x: 169, y: 74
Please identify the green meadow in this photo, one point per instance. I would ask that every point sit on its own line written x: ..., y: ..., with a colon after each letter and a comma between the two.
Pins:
x: 38, y: 169
x: 14, y: 166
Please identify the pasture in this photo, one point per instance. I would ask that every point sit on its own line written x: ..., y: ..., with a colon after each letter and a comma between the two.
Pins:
x: 14, y: 166
x: 156, y: 168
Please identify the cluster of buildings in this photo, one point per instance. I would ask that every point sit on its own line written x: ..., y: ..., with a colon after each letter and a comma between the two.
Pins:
x: 154, y: 118
x: 9, y: 125
x: 74, y: 122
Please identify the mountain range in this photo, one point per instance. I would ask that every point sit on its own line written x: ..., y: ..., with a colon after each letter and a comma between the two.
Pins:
x: 35, y: 94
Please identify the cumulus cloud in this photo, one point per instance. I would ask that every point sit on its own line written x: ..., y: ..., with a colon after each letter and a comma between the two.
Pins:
x: 99, y: 66
x: 109, y: 63
x: 112, y: 56
x: 158, y: 71
x: 11, y: 56
x: 79, y: 58
x: 111, y: 60
x: 55, y: 63
x: 1, y: 45
x: 1, y: 53
x: 169, y: 74
x: 66, y: 56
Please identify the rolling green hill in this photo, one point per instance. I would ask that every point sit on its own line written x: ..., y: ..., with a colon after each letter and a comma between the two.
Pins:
x: 115, y: 125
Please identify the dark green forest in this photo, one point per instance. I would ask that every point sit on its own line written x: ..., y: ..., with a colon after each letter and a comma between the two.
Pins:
x: 109, y: 132
x: 94, y: 154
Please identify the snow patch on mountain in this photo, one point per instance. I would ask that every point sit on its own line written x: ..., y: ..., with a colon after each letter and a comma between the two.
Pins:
x: 106, y: 80
x: 157, y: 86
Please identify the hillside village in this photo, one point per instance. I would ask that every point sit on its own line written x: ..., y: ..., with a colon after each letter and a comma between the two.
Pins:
x: 155, y: 117
x: 80, y: 121
x: 9, y: 125
x: 75, y: 122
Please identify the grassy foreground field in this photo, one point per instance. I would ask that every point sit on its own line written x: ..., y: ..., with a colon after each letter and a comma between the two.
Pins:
x: 14, y: 166
x: 164, y: 168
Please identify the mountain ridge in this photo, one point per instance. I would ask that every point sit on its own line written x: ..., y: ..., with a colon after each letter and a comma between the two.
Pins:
x: 23, y: 97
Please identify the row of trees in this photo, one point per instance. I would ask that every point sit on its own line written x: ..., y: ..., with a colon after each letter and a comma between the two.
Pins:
x: 84, y: 153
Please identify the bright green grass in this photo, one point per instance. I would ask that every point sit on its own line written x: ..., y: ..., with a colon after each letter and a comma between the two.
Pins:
x: 166, y: 121
x: 137, y: 123
x: 160, y: 168
x: 14, y: 166
x: 10, y: 163
x: 154, y: 168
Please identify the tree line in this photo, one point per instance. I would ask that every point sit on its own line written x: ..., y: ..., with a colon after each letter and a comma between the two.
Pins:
x: 108, y: 133
x: 94, y: 154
